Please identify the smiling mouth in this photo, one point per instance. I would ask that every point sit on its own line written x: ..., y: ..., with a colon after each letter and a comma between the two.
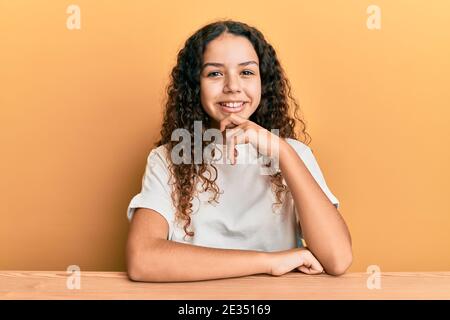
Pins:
x: 233, y: 105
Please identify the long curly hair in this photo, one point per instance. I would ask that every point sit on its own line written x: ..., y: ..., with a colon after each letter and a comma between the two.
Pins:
x: 183, y: 107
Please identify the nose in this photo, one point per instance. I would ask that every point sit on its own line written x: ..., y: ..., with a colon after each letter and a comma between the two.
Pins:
x: 232, y: 84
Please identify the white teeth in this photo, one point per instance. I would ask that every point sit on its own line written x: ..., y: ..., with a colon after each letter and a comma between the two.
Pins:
x: 232, y: 104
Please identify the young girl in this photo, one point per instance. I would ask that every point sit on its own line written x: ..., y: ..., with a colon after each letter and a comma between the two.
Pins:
x: 218, y: 219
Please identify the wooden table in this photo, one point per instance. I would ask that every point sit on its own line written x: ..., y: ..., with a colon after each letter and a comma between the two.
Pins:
x: 291, y: 286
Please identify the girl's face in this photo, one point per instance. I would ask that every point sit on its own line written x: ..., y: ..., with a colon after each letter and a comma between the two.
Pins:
x: 230, y: 81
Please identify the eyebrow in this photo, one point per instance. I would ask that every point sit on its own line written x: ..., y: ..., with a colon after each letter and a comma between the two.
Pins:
x: 215, y: 64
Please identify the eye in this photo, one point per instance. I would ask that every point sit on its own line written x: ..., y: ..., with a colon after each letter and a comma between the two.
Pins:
x: 211, y: 73
x: 249, y: 72
x: 245, y: 72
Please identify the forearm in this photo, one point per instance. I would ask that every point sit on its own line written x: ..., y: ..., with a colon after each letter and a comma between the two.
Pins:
x: 169, y: 261
x: 323, y: 228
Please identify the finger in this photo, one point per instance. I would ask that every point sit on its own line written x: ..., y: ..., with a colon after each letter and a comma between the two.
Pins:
x: 304, y: 269
x: 311, y: 261
x: 230, y: 146
x: 231, y: 121
x: 236, y: 138
x: 307, y: 270
x: 316, y: 266
x: 252, y: 137
x: 225, y: 123
x: 250, y: 133
x: 234, y: 118
x: 231, y: 150
x: 235, y: 130
x: 316, y: 271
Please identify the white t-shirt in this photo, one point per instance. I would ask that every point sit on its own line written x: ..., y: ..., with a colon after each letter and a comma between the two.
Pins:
x: 243, y: 218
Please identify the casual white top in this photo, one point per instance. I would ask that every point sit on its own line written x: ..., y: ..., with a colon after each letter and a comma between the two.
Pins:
x: 243, y: 218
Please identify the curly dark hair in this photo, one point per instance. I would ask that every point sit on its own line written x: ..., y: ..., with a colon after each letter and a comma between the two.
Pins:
x: 183, y: 107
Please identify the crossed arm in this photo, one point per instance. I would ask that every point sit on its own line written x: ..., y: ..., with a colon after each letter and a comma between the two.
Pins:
x: 150, y: 257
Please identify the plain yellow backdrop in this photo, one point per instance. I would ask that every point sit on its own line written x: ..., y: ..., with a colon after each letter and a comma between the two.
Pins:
x: 80, y: 110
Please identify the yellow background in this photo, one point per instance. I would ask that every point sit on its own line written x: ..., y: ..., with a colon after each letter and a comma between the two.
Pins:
x: 80, y: 110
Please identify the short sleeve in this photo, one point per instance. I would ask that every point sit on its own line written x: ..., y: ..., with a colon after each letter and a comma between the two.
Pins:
x: 310, y: 162
x: 156, y: 191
